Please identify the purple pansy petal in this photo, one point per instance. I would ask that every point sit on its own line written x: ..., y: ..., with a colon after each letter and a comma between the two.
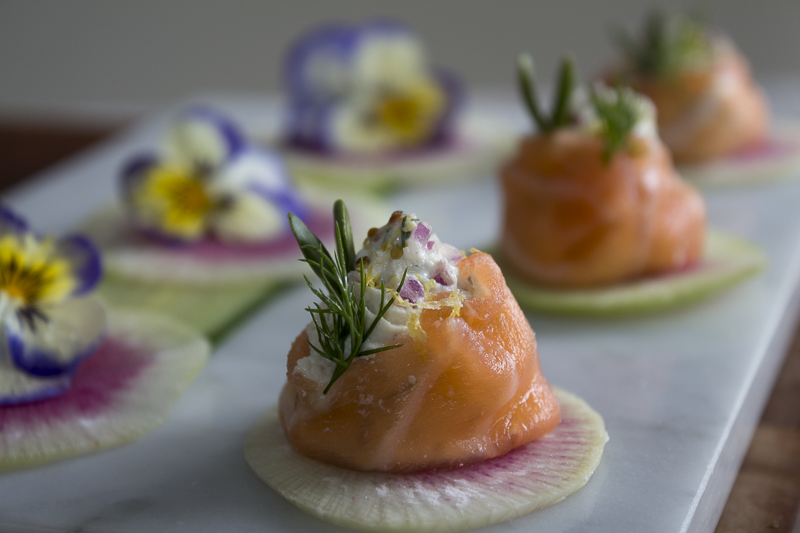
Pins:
x: 333, y: 42
x: 229, y: 132
x: 85, y: 260
x: 454, y: 95
x: 412, y: 290
x: 72, y: 331
x: 135, y: 170
x: 159, y: 237
x: 304, y: 124
x: 10, y: 222
x: 262, y: 172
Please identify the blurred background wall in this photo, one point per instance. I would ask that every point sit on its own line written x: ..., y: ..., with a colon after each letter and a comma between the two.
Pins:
x: 112, y: 57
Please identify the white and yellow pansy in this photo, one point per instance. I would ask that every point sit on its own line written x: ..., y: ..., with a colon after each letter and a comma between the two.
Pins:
x: 49, y: 325
x: 208, y: 182
x: 366, y: 90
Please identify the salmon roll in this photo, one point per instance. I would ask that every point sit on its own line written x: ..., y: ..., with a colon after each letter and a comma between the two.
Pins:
x: 433, y: 364
x: 708, y: 104
x: 592, y: 198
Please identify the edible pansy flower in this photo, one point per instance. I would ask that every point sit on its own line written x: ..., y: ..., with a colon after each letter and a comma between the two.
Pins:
x: 48, y: 323
x: 208, y: 181
x: 366, y: 89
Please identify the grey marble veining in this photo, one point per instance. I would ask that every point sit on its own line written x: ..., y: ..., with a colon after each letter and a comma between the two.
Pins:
x: 680, y: 391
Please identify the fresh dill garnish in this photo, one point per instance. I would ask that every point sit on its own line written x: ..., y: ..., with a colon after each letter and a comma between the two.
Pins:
x: 340, y: 315
x: 617, y: 113
x: 562, y: 106
x: 667, y: 45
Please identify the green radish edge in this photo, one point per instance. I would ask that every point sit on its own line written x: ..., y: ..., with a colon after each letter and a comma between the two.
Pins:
x: 488, y: 142
x: 121, y: 392
x: 728, y: 260
x: 731, y: 172
x: 533, y: 476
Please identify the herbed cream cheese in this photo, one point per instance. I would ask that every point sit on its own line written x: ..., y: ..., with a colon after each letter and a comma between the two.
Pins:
x: 405, y: 245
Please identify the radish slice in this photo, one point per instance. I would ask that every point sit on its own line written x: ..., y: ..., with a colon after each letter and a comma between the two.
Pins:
x: 128, y: 254
x: 483, y: 144
x: 123, y: 390
x: 533, y: 476
x: 778, y: 158
x: 209, y: 286
x: 728, y: 261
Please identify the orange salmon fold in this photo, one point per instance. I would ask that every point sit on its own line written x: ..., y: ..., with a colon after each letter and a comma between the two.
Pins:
x: 471, y: 391
x: 573, y: 221
x: 707, y: 114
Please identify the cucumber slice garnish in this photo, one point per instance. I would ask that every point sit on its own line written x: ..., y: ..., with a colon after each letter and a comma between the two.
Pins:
x: 754, y: 169
x: 119, y: 393
x: 728, y: 260
x: 528, y: 478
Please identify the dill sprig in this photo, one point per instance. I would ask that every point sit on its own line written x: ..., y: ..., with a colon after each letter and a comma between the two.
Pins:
x: 562, y: 106
x: 667, y: 45
x: 340, y: 314
x: 618, y: 114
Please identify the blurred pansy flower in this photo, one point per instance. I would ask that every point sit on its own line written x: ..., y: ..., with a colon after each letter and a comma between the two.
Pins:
x: 49, y: 325
x: 208, y: 181
x: 366, y: 89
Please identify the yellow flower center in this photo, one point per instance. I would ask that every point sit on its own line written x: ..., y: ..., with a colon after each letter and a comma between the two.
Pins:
x: 412, y: 114
x: 30, y: 273
x: 175, y: 200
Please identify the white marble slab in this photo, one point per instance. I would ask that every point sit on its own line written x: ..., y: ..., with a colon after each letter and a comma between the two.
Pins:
x: 681, y: 392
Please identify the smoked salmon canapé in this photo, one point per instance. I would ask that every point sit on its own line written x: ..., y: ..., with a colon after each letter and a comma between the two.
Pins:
x: 418, y: 369
x: 711, y: 113
x: 593, y: 202
x: 368, y: 109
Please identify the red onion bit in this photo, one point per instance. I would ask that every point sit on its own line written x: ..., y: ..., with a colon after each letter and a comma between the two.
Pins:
x: 422, y: 232
x: 442, y: 277
x: 430, y: 244
x: 412, y: 290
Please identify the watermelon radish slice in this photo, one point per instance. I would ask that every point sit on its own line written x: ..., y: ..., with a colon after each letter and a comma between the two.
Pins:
x: 483, y: 143
x: 209, y: 285
x: 728, y: 260
x: 123, y: 390
x: 128, y: 254
x: 533, y: 476
x: 778, y: 158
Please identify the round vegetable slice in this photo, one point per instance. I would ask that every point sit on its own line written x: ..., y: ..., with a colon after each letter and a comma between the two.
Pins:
x: 127, y: 254
x: 122, y: 391
x: 209, y: 286
x: 778, y: 158
x: 483, y: 144
x: 533, y: 476
x: 728, y: 260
